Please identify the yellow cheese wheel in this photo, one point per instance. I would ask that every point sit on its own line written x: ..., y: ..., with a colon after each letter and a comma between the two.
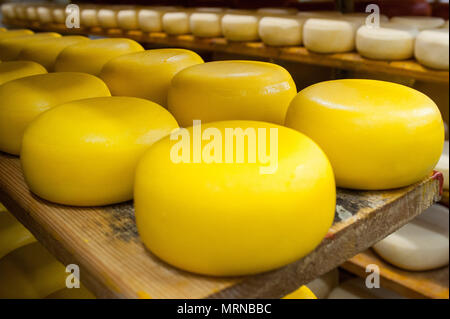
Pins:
x: 377, y: 135
x: 147, y: 74
x: 15, y: 33
x: 231, y: 90
x: 206, y: 212
x: 91, y: 56
x: 13, y: 234
x: 18, y: 69
x: 30, y: 272
x: 301, y: 293
x: 84, y: 153
x: 2, y: 30
x: 46, y: 51
x: 10, y: 48
x: 24, y: 99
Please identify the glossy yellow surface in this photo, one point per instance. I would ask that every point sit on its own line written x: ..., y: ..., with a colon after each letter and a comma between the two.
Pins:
x: 18, y: 69
x: 15, y: 33
x: 46, y: 51
x: 227, y: 219
x: 13, y: 234
x: 231, y: 90
x: 30, y: 272
x: 301, y: 293
x: 72, y: 293
x: 91, y: 56
x: 10, y: 48
x: 147, y: 74
x: 85, y: 152
x: 377, y: 135
x: 24, y: 99
x: 2, y: 30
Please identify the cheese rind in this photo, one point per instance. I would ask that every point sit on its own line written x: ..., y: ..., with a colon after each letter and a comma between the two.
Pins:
x: 281, y: 31
x: 231, y: 90
x: 176, y: 23
x: 85, y: 152
x: 206, y: 24
x: 377, y: 133
x: 301, y: 293
x: 419, y: 22
x: 240, y: 27
x: 22, y: 100
x: 18, y: 69
x: 127, y: 19
x: 432, y: 49
x: 10, y: 48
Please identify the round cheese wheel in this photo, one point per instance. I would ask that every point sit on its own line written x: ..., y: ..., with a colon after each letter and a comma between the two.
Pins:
x: 128, y: 19
x: 13, y: 234
x: 46, y: 51
x: 31, y: 13
x: 356, y: 289
x: 88, y: 17
x: 323, y: 285
x: 421, y: 245
x: 10, y: 48
x: 107, y: 17
x: 385, y: 43
x: 370, y: 137
x: 420, y: 22
x: 240, y: 27
x: 231, y: 90
x: 15, y: 33
x: 281, y: 31
x: 59, y: 15
x: 442, y: 165
x: 20, y: 10
x: 19, y: 69
x: 150, y: 19
x: 2, y: 29
x: 22, y: 100
x: 329, y: 36
x: 30, y: 272
x: 8, y: 11
x: 128, y: 75
x: 206, y: 24
x: 223, y: 219
x: 176, y: 22
x: 44, y: 14
x: 431, y: 49
x: 301, y: 293
x: 85, y: 152
x: 72, y: 293
x: 91, y: 56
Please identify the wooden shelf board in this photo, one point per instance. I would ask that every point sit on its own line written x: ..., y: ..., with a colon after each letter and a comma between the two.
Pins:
x: 348, y: 61
x: 104, y: 241
x: 411, y: 284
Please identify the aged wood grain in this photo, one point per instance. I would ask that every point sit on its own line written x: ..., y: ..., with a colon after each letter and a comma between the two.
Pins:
x: 411, y: 284
x: 104, y: 242
x: 349, y: 61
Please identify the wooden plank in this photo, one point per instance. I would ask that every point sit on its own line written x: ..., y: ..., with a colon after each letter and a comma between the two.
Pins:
x: 104, y: 241
x: 411, y: 284
x: 348, y: 61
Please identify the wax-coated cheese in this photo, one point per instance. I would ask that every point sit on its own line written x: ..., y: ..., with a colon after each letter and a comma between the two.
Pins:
x: 432, y: 50
x: 176, y: 22
x: 231, y: 90
x: 421, y: 245
x: 240, y: 27
x: 30, y: 272
x: 127, y: 19
x: 281, y: 31
x: 46, y: 51
x: 15, y: 33
x: 329, y: 36
x: 2, y: 29
x: 24, y: 99
x: 206, y: 24
x: 385, y: 43
x: 91, y: 56
x: 301, y: 293
x: 233, y: 217
x: 84, y: 152
x: 18, y: 69
x: 10, y: 48
x: 370, y: 131
x: 128, y: 75
x: 419, y: 22
x: 13, y: 234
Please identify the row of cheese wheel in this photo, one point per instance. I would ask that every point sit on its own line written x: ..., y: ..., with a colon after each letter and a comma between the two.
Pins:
x: 321, y: 31
x: 80, y: 146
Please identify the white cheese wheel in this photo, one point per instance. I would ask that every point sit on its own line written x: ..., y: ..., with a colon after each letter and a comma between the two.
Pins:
x: 422, y: 244
x: 240, y: 27
x: 150, y: 19
x: 176, y: 22
x: 8, y: 10
x: 420, y: 22
x: 276, y: 11
x: 281, y: 31
x: 329, y: 36
x: 59, y: 15
x: 31, y: 13
x: 20, y: 10
x: 44, y: 14
x: 442, y: 165
x: 127, y: 19
x: 323, y: 285
x: 385, y: 43
x: 206, y: 24
x: 357, y: 289
x: 88, y: 17
x: 431, y: 48
x: 107, y: 18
